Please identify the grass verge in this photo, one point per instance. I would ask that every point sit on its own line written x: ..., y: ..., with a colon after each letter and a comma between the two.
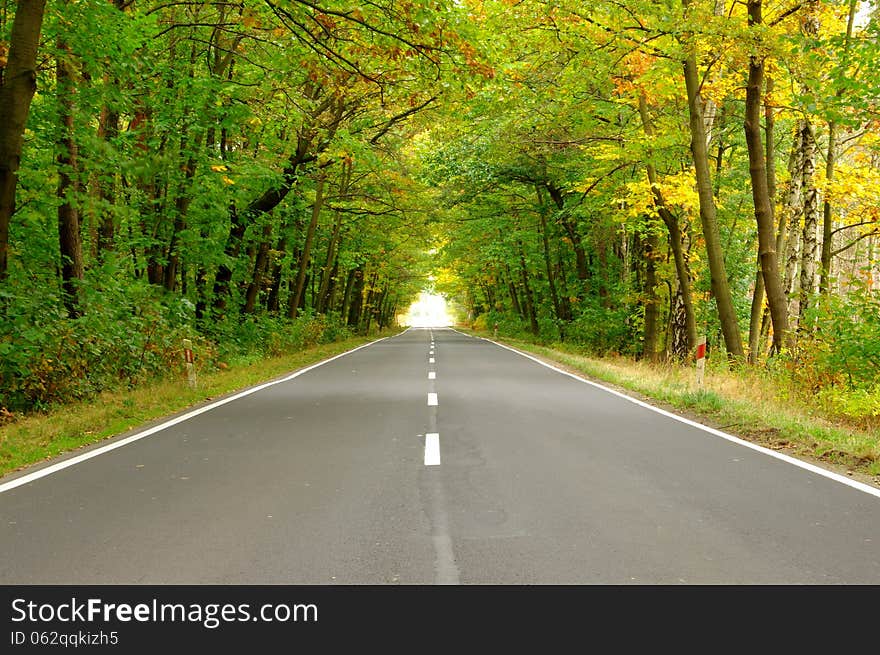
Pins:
x: 742, y: 403
x: 38, y: 437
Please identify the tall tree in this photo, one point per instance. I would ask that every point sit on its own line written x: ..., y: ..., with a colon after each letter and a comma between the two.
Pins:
x: 70, y: 239
x: 708, y: 216
x: 760, y: 189
x: 18, y: 83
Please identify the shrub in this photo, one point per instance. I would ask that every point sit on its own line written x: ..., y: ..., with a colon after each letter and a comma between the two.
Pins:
x: 844, y: 345
x: 121, y: 340
x: 126, y: 336
x: 598, y: 329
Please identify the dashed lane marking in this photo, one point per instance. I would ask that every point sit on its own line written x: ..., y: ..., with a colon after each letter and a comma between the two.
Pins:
x: 432, y: 449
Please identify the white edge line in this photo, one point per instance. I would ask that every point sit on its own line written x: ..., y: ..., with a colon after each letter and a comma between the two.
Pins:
x: 705, y: 428
x: 54, y: 468
x: 432, y: 449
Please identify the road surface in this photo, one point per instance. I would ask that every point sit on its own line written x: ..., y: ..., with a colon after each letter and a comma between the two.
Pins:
x: 433, y: 457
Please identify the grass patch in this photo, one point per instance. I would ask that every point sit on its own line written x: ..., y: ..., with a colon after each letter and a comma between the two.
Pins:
x: 40, y: 436
x: 748, y: 403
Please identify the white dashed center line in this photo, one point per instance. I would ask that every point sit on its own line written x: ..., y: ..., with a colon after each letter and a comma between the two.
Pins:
x: 432, y: 449
x: 430, y: 360
x: 432, y: 399
x: 432, y: 375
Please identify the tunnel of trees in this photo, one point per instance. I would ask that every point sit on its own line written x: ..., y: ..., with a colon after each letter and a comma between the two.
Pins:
x: 624, y: 176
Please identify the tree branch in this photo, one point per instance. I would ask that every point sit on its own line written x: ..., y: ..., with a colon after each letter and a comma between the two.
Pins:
x: 846, y: 227
x: 854, y: 242
x: 398, y: 118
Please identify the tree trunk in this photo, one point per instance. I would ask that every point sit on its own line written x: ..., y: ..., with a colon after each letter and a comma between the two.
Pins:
x: 295, y: 300
x: 356, y: 301
x: 757, y: 309
x: 830, y: 163
x: 794, y: 211
x: 346, y: 294
x: 811, y: 223
x: 273, y: 302
x: 18, y: 83
x: 181, y: 207
x: 328, y: 271
x: 827, y: 212
x: 679, y: 347
x: 201, y: 280
x: 224, y: 271
x: 375, y: 298
x: 810, y: 28
x: 554, y: 296
x: 674, y: 234
x: 514, y: 296
x: 332, y: 287
x: 720, y: 284
x: 529, y: 298
x: 69, y: 237
x: 367, y: 307
x: 261, y: 262
x: 108, y: 130
x: 652, y: 302
x: 761, y: 196
x: 562, y: 278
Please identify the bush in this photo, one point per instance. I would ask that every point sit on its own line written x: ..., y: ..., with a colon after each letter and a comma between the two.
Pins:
x: 509, y: 325
x: 859, y: 404
x: 598, y: 329
x: 253, y: 337
x: 126, y: 336
x: 844, y: 345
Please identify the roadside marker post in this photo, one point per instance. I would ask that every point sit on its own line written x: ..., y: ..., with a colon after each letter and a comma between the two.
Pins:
x: 188, y: 359
x: 701, y: 360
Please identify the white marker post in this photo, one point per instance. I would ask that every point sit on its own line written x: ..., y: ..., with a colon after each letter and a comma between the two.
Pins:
x: 701, y: 360
x: 188, y: 359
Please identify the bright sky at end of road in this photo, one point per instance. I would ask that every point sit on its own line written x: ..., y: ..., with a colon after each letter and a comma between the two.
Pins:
x: 428, y: 311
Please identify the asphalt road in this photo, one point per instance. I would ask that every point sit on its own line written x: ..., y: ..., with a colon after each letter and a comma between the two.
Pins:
x: 349, y: 474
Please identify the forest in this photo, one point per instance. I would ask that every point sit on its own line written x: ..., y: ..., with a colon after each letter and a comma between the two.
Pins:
x: 623, y: 176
